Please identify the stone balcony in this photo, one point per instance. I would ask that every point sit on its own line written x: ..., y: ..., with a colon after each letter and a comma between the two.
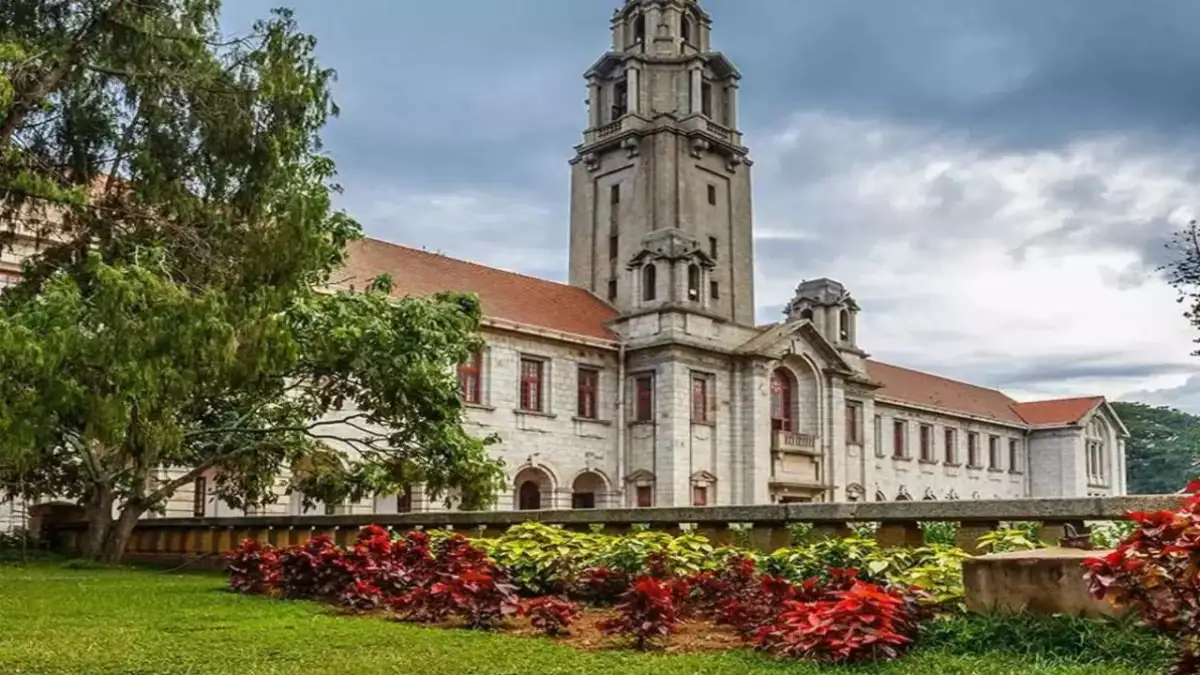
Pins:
x: 692, y: 123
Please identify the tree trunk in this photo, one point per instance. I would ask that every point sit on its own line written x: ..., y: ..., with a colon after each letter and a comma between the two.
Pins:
x: 119, y: 533
x: 99, y: 514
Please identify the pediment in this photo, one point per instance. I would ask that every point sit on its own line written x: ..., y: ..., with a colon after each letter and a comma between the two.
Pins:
x: 1106, y: 411
x: 795, y: 337
x: 604, y: 65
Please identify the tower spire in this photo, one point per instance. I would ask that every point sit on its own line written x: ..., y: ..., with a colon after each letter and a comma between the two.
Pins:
x: 660, y: 189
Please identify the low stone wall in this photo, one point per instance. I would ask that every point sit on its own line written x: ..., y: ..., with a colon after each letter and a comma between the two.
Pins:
x: 1045, y: 581
x: 768, y: 525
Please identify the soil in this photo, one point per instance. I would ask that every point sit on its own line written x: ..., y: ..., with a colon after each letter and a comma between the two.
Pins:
x: 585, y: 634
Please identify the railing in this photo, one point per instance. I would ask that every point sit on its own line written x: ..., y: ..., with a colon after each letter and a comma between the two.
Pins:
x: 173, y: 540
x: 722, y: 132
x: 793, y: 441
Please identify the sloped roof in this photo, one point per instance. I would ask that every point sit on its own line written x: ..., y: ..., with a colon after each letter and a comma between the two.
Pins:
x: 924, y: 389
x: 918, y: 388
x: 1057, y: 411
x: 503, y: 295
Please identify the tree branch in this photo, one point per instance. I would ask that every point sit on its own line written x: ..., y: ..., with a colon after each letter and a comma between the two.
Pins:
x: 31, y: 98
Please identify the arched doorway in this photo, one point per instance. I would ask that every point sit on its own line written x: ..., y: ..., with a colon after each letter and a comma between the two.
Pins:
x: 529, y: 496
x: 534, y: 489
x: 588, y: 491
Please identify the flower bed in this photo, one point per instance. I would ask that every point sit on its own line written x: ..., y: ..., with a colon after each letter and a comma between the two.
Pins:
x: 833, y: 600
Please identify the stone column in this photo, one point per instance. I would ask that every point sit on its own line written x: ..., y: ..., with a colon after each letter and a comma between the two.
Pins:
x: 697, y: 85
x: 633, y: 84
x: 594, y: 105
x: 731, y: 94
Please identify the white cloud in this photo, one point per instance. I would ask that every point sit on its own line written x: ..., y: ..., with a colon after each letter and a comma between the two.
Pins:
x: 981, y: 259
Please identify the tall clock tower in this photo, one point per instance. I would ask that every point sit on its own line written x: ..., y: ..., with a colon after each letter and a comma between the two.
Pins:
x: 660, y: 185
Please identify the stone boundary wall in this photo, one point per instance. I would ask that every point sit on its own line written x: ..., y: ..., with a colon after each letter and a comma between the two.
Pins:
x: 184, y: 540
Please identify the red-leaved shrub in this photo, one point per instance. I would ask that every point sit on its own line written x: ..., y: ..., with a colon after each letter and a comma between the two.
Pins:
x: 551, y: 615
x: 864, y: 623
x: 310, y: 570
x: 600, y: 585
x: 460, y: 580
x: 753, y: 607
x: 1154, y: 571
x: 646, y: 612
x: 253, y: 568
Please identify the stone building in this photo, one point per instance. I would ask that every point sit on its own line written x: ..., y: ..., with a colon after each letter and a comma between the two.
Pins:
x: 646, y: 382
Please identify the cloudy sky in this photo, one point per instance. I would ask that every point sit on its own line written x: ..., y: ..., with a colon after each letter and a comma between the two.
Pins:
x: 994, y: 180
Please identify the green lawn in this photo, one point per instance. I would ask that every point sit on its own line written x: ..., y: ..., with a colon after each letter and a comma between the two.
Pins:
x: 60, y: 621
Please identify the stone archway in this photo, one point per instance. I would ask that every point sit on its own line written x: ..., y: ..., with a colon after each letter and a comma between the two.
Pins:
x: 589, y: 490
x: 534, y: 489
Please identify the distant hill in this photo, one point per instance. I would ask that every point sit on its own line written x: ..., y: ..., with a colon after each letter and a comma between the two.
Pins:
x: 1163, y: 447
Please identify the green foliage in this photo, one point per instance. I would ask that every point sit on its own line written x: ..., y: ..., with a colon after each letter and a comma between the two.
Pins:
x: 1161, y: 450
x: 1006, y: 539
x: 176, y: 319
x: 937, y: 568
x: 1108, y: 534
x: 941, y: 532
x: 1066, y: 639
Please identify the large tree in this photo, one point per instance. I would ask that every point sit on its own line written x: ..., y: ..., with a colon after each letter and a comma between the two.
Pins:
x: 1163, y: 448
x: 176, y: 322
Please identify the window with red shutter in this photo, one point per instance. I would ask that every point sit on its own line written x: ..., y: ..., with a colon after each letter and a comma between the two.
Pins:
x: 532, y: 393
x: 643, y: 405
x: 898, y: 446
x: 589, y: 391
x: 645, y: 496
x: 470, y: 380
x: 781, y: 400
x: 699, y: 495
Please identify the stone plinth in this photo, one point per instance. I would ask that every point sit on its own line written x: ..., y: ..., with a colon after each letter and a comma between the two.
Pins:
x: 1045, y: 581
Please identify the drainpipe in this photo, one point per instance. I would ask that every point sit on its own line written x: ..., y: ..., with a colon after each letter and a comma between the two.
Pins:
x: 619, y: 488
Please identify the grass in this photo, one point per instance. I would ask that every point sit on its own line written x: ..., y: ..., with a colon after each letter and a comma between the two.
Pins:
x: 56, y: 620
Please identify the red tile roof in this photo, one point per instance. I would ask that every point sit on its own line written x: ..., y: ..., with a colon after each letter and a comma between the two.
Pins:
x: 1057, y: 411
x: 924, y: 389
x: 503, y: 295
x: 918, y: 388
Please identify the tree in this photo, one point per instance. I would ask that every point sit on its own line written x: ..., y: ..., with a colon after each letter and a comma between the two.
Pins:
x: 1162, y: 448
x: 178, y: 321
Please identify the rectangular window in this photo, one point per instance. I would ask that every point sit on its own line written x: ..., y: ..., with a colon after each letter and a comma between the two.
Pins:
x: 612, y: 289
x: 706, y: 102
x: 699, y: 398
x: 1014, y: 455
x: 714, y: 289
x: 951, y: 449
x: 712, y: 194
x: 994, y: 458
x: 583, y: 500
x: 645, y: 496
x: 973, y: 451
x: 200, y: 497
x: 589, y: 393
x: 926, y: 433
x: 643, y: 398
x: 404, y: 501
x: 532, y: 393
x: 330, y: 509
x: 620, y: 100
x: 879, y: 436
x: 614, y: 193
x: 854, y: 423
x: 470, y: 379
x: 712, y: 247
x: 613, y: 246
x: 699, y: 495
x: 899, y: 432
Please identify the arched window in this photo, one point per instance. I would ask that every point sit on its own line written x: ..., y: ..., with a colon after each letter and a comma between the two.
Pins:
x: 639, y: 29
x: 649, y: 282
x: 844, y: 325
x: 685, y: 29
x: 693, y: 282
x: 806, y: 314
x: 782, y: 396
